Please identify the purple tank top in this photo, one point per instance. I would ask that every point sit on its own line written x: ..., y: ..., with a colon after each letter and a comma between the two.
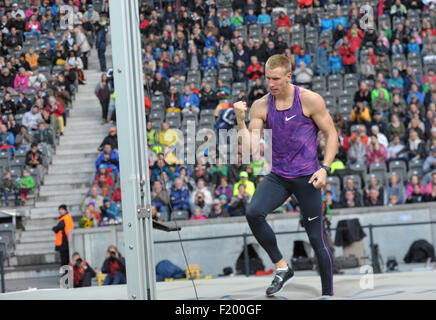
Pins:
x: 294, y: 140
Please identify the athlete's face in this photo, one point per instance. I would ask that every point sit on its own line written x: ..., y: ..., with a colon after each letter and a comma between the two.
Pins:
x: 277, y: 80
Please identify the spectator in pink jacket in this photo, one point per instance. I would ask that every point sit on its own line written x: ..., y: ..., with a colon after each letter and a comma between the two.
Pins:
x: 376, y: 152
x: 414, y: 180
x: 21, y: 82
x: 430, y: 185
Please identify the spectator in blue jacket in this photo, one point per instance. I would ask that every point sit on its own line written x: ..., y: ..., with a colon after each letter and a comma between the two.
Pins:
x: 321, y: 67
x: 177, y: 70
x: 100, y: 44
x: 263, y: 18
x: 303, y: 56
x: 326, y: 23
x: 339, y: 19
x: 157, y: 170
x: 110, y: 210
x: 7, y: 139
x: 395, y: 82
x: 250, y: 18
x: 210, y: 63
x: 413, y: 46
x: 335, y: 65
x: 109, y: 158
x: 179, y: 197
x: 189, y: 101
x: 209, y: 41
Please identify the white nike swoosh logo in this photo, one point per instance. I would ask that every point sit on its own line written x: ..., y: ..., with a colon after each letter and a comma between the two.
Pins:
x: 287, y: 119
x: 311, y: 219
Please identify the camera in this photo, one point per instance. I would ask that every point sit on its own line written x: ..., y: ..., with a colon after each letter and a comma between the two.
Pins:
x: 113, y: 255
x: 78, y: 263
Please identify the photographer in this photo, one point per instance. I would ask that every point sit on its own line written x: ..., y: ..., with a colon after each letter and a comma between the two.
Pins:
x: 360, y: 114
x: 82, y: 272
x: 115, y: 267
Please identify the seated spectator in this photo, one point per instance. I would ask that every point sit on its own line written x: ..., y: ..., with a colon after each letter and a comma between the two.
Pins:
x: 431, y: 184
x: 177, y: 70
x: 432, y: 195
x: 24, y: 139
x: 333, y: 204
x: 326, y: 23
x: 26, y: 184
x: 350, y: 201
x: 82, y: 271
x: 356, y: 196
x: 396, y: 82
x: 376, y: 152
x: 208, y: 99
x: 179, y: 197
x: 430, y: 162
x: 303, y: 75
x: 363, y: 94
x: 303, y: 56
x: 31, y: 118
x: 33, y: 27
x: 373, y: 199
x: 263, y: 18
x: 91, y: 218
x: 172, y: 100
x: 381, y: 138
x: 374, y: 184
x: 396, y: 128
x: 114, y: 266
x: 45, y: 58
x: 111, y: 139
x: 249, y: 186
x: 157, y: 170
x: 199, y: 202
x: 198, y: 214
x: 396, y: 150
x: 367, y: 70
x: 255, y: 70
x: 160, y: 199
x: 109, y: 158
x: 7, y: 187
x: 21, y: 82
x: 34, y: 160
x: 189, y: 101
x: 239, y: 71
x: 415, y: 146
x: 240, y: 201
x: 250, y: 18
x: 222, y: 90
x: 210, y: 62
x: 159, y: 85
x: 416, y: 195
x: 257, y: 91
x: 109, y: 211
x: 7, y: 140
x: 95, y: 198
x: 360, y: 114
x: 201, y: 187
x: 152, y: 137
x: 218, y: 211
x: 395, y: 188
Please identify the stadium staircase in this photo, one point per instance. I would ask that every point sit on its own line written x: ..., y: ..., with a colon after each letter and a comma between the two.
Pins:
x: 67, y: 182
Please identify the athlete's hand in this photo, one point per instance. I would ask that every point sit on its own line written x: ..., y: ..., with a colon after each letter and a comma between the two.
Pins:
x: 319, y: 179
x: 240, y: 108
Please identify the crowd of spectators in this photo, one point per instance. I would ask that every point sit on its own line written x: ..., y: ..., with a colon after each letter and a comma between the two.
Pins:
x: 200, y: 56
x: 44, y: 51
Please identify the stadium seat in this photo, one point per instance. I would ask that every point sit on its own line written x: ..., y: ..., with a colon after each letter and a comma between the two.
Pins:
x: 336, y: 184
x: 400, y: 168
x: 416, y: 165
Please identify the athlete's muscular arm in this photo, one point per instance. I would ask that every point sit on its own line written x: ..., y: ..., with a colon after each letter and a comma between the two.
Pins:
x: 314, y: 107
x: 249, y: 138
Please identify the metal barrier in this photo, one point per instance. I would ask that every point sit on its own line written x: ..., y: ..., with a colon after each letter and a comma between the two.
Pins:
x: 2, y: 273
x: 246, y: 235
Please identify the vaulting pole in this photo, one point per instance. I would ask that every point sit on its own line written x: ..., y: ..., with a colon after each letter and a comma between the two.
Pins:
x: 132, y: 142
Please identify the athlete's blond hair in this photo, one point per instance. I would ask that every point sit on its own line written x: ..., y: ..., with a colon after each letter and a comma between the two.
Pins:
x: 279, y: 61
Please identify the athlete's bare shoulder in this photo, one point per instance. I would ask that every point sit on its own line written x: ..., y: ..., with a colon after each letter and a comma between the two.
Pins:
x: 259, y: 108
x: 311, y: 102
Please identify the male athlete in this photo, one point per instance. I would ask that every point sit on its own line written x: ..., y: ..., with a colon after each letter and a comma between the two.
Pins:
x: 294, y: 115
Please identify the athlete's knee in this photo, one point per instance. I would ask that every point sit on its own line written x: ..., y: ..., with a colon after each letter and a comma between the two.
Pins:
x: 254, y: 215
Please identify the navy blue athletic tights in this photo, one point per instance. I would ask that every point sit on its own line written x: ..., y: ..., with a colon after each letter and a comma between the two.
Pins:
x: 269, y: 195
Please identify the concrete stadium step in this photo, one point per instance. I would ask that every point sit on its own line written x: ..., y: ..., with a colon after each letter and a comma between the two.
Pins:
x: 80, y: 139
x: 68, y: 187
x: 39, y: 235
x: 67, y: 159
x: 71, y: 168
x: 54, y: 201
x: 60, y: 179
x: 40, y: 224
x: 29, y: 272
x: 65, y: 151
x: 52, y: 193
x: 36, y: 247
x: 51, y: 213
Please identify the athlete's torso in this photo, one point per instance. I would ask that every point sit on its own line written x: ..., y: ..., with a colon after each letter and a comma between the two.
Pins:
x: 294, y: 139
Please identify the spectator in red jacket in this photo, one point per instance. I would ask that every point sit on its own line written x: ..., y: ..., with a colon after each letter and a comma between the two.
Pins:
x: 255, y: 70
x: 56, y: 109
x: 283, y: 22
x: 33, y: 27
x: 348, y: 54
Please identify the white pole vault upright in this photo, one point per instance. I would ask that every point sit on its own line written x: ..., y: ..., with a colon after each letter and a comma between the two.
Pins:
x: 136, y: 204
